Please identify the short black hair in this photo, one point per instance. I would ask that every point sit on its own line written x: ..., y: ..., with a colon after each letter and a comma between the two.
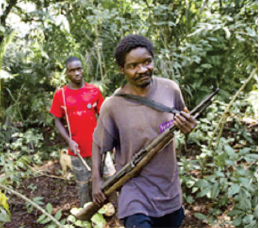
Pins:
x: 128, y: 43
x: 71, y: 59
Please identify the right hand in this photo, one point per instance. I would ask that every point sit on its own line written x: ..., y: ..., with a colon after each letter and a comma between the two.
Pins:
x: 73, y: 147
x: 97, y: 193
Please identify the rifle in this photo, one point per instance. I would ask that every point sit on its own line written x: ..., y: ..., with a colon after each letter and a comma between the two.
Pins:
x: 139, y: 161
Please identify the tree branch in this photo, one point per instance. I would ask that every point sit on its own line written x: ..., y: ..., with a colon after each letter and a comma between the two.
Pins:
x: 8, y: 9
x: 33, y: 204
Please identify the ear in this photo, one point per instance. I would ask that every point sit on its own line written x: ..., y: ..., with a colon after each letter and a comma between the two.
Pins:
x: 121, y: 69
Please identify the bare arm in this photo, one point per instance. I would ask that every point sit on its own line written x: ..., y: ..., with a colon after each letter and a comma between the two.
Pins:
x: 73, y: 146
x: 97, y: 194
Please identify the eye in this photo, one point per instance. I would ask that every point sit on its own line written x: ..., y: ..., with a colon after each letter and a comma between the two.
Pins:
x: 131, y: 66
x: 148, y: 61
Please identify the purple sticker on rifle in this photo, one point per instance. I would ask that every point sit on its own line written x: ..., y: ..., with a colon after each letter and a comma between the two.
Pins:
x: 165, y: 125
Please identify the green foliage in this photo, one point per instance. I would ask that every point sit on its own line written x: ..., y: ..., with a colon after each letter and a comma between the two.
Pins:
x: 226, y: 175
x: 43, y: 219
x: 18, y: 151
x: 199, y: 44
x: 37, y: 200
x: 4, y: 209
x: 97, y: 221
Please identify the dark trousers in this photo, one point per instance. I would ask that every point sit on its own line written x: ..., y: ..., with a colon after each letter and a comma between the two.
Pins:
x: 83, y: 179
x: 172, y: 220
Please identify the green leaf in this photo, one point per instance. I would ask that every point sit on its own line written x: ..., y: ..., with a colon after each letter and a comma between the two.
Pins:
x: 102, y: 211
x: 46, y: 220
x: 256, y: 210
x: 240, y: 170
x: 244, y: 150
x: 248, y: 219
x: 230, y: 151
x: 63, y: 221
x: 3, y: 202
x: 230, y: 162
x: 170, y: 23
x: 234, y: 189
x: 204, y: 192
x: 87, y: 224
x: 79, y: 223
x: 251, y: 157
x: 98, y: 219
x: 235, y: 212
x: 228, y: 34
x: 215, y: 190
x: 201, y: 216
x: 202, y: 183
x: 237, y: 221
x: 49, y: 208
x: 71, y: 218
x: 245, y: 203
x: 206, y: 65
x: 253, y: 224
x: 51, y: 226
x: 37, y: 200
x: 41, y: 218
x: 58, y: 214
x: 190, y: 200
x: 4, y: 217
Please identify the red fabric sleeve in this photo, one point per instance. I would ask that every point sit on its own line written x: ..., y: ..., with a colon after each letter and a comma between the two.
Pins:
x: 56, y: 109
x: 99, y: 102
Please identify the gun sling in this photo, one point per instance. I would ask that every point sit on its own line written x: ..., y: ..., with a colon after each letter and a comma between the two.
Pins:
x: 150, y: 103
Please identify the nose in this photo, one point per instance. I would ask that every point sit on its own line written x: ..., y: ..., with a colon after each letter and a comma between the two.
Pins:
x: 77, y: 72
x: 142, y: 69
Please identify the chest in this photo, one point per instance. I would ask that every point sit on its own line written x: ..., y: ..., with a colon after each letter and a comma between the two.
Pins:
x: 138, y: 119
x: 80, y: 100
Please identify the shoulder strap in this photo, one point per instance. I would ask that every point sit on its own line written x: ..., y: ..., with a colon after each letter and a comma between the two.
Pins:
x: 150, y: 103
x: 65, y: 108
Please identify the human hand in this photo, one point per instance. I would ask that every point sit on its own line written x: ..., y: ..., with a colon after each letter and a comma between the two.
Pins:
x: 184, y: 121
x: 97, y: 193
x: 73, y: 147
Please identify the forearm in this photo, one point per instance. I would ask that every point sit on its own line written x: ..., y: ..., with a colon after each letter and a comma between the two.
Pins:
x: 62, y: 130
x: 97, y: 193
x: 96, y: 161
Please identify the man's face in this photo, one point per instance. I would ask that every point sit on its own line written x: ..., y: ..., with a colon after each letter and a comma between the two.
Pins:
x: 75, y: 72
x: 138, y: 67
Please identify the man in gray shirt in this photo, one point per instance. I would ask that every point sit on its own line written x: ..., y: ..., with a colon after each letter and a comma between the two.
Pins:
x: 154, y: 197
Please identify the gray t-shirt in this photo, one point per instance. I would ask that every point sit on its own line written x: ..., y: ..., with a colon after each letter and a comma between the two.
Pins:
x: 129, y: 126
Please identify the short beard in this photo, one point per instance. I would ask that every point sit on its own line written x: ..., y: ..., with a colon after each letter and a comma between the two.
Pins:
x: 146, y: 84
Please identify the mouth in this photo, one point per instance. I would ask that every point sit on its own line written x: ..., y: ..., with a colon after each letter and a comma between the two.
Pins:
x: 144, y: 77
x: 78, y: 79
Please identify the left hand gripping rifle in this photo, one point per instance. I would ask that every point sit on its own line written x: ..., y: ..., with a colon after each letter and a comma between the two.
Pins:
x: 139, y: 161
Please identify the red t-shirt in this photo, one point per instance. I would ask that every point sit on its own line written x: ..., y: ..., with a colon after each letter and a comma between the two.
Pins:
x: 82, y: 105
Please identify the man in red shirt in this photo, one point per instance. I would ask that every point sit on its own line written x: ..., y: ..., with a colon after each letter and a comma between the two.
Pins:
x: 78, y: 102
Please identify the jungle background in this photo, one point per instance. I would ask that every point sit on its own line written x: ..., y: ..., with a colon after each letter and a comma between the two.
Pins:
x: 201, y: 44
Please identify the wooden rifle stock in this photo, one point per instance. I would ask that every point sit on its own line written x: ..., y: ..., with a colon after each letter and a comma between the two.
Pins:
x: 139, y: 161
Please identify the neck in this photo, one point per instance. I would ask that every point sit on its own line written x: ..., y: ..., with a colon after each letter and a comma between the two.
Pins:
x: 76, y: 86
x: 137, y: 90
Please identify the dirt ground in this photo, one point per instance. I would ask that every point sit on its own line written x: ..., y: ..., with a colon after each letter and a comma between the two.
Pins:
x: 62, y: 194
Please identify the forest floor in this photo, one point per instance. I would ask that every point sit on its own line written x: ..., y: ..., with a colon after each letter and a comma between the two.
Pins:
x: 62, y: 194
